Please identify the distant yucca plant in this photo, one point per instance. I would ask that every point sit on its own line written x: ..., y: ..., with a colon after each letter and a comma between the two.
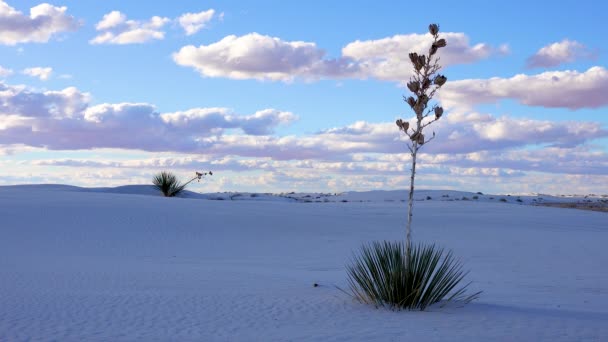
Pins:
x: 388, y: 274
x: 168, y: 184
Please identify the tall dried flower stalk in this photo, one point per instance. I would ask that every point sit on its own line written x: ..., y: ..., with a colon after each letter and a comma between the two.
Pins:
x: 423, y: 84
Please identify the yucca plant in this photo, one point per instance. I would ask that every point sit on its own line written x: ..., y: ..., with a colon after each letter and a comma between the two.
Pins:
x: 393, y: 275
x: 170, y: 186
x: 400, y: 275
x: 168, y: 183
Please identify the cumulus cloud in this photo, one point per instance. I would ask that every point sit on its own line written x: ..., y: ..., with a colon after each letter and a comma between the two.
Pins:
x: 115, y: 28
x: 460, y: 134
x: 43, y: 22
x: 386, y: 58
x: 194, y: 22
x: 39, y: 72
x: 552, y: 55
x: 475, y: 132
x: 66, y: 120
x: 472, y: 146
x: 208, y: 120
x: 551, y: 89
x: 4, y: 72
x: 256, y: 56
x: 23, y: 104
x: 564, y: 160
x: 464, y: 133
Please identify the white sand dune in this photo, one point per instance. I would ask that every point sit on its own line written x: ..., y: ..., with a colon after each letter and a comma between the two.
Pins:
x: 128, y: 265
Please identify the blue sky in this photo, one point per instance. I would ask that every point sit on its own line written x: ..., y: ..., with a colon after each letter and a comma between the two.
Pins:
x: 282, y: 96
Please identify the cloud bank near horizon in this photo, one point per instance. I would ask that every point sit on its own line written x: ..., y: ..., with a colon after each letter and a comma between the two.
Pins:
x: 66, y: 120
x: 470, y: 144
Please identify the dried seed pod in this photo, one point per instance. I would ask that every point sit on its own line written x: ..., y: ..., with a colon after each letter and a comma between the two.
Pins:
x: 421, y: 139
x: 417, y: 60
x: 433, y: 29
x: 438, y: 112
x: 433, y: 49
x: 426, y: 83
x: 413, y: 86
x: 413, y: 57
x: 422, y: 60
x: 440, y: 80
x: 411, y: 101
x: 403, y: 125
x: 441, y: 43
x: 423, y: 100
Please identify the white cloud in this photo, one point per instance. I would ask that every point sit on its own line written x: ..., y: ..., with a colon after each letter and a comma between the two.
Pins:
x: 256, y: 56
x: 115, y: 28
x: 43, y: 22
x: 8, y: 150
x: 66, y: 120
x: 566, y: 51
x: 186, y: 162
x: 111, y: 20
x: 39, y: 72
x: 513, y: 170
x: 207, y: 120
x: 194, y: 22
x: 24, y: 104
x: 4, y: 72
x: 387, y: 58
x: 565, y: 160
x: 259, y: 57
x: 464, y: 133
x: 552, y: 169
x: 472, y: 146
x: 552, y: 89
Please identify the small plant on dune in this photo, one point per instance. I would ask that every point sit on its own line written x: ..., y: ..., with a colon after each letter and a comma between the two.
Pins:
x: 170, y: 186
x: 168, y: 183
x: 398, y: 275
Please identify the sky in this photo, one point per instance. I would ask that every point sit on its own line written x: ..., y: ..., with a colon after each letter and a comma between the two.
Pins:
x: 277, y: 96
